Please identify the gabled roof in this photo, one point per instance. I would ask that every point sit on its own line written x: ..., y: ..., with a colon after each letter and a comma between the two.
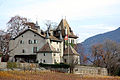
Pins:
x: 53, y: 38
x: 29, y: 29
x: 72, y: 51
x: 47, y: 48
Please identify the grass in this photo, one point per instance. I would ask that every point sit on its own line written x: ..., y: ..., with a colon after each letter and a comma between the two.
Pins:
x: 48, y: 75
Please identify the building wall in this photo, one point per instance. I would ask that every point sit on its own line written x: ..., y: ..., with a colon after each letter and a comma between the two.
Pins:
x: 48, y: 58
x: 56, y: 57
x: 72, y: 40
x: 45, y: 56
x: 29, y: 35
x: 71, y: 59
x: 87, y: 70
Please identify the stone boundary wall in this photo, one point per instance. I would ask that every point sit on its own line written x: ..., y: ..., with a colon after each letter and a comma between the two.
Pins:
x: 83, y: 70
x: 19, y: 65
x: 87, y: 70
x: 3, y: 65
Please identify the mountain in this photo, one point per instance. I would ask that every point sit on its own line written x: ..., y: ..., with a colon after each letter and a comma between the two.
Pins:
x: 100, y: 38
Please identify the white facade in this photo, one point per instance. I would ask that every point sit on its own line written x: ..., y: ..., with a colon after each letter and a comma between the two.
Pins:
x: 48, y: 58
x: 72, y: 59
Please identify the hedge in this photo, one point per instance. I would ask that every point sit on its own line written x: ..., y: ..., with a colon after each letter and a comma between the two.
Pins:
x: 61, y: 65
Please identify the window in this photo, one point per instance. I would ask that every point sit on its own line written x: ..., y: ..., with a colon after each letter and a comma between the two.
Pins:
x: 21, y: 42
x: 22, y: 35
x: 65, y: 60
x: 34, y: 49
x: 54, y: 60
x: 34, y: 35
x: 41, y: 60
x: 44, y: 54
x: 44, y: 61
x: 30, y: 41
x: 72, y: 41
x: 35, y: 41
x: 54, y: 54
x: 23, y: 51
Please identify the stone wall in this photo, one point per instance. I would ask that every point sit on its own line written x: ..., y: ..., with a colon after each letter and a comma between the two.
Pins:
x: 87, y: 70
x: 0, y: 59
x: 3, y: 65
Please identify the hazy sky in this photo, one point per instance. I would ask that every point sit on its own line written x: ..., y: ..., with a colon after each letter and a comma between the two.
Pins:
x: 86, y: 17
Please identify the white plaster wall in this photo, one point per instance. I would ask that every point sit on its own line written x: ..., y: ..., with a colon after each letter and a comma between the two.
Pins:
x: 72, y: 58
x: 48, y: 58
x: 59, y: 47
x: 56, y: 56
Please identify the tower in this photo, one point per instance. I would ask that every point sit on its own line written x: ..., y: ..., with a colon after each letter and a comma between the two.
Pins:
x: 37, y: 27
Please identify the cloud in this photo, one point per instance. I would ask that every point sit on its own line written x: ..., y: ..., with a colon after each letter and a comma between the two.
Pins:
x: 73, y: 9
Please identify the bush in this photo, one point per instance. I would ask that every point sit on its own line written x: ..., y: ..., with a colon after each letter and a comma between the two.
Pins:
x: 11, y: 65
x: 61, y: 65
x: 0, y: 55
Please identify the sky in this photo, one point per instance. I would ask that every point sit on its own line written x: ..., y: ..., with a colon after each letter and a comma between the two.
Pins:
x: 86, y: 17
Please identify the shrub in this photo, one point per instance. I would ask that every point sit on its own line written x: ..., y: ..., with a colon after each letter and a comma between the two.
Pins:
x: 11, y: 65
x: 61, y: 65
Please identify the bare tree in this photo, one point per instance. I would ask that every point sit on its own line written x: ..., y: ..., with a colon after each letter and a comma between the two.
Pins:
x: 106, y: 55
x: 50, y: 24
x: 4, y: 42
x: 16, y: 24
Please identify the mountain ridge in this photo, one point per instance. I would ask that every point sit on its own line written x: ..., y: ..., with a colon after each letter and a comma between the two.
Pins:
x: 100, y: 38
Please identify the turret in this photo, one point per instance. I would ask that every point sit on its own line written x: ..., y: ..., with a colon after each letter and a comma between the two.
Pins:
x: 38, y: 27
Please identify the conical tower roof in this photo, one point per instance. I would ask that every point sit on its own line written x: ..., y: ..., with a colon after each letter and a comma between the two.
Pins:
x: 64, y: 25
x: 72, y: 51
